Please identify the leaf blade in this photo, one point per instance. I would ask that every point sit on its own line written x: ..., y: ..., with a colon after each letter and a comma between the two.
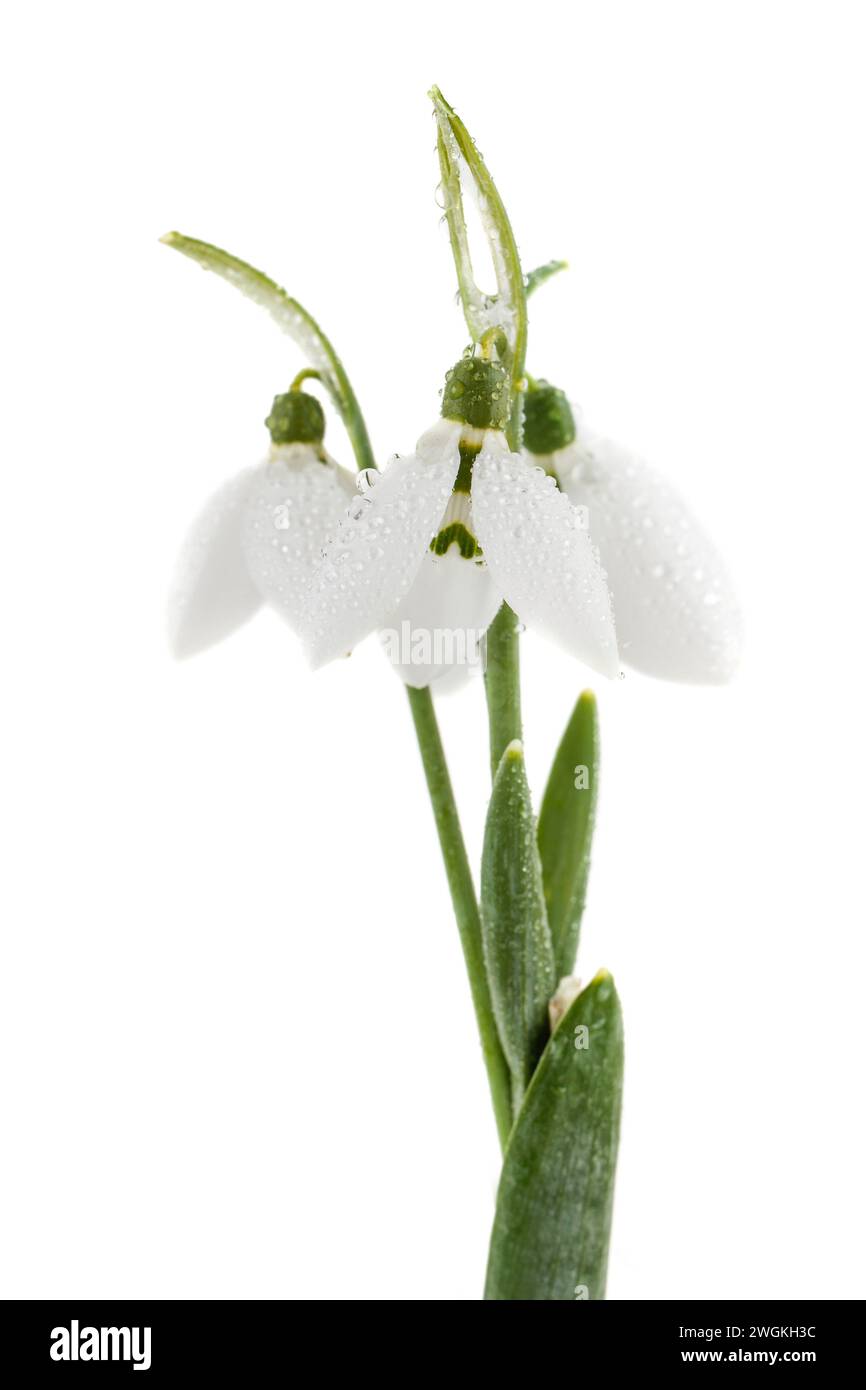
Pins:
x: 552, y: 1225
x: 565, y: 828
x: 517, y: 947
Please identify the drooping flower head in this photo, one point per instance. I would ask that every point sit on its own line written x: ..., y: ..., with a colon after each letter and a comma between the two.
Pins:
x: 259, y: 535
x: 676, y: 613
x: 447, y: 534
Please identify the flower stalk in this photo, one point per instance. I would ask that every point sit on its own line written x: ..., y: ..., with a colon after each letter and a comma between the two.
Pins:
x: 459, y: 876
x: 290, y: 316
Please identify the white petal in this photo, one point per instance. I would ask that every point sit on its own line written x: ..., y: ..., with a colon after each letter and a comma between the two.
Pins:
x: 676, y: 613
x: 435, y: 633
x: 378, y: 547
x: 294, y: 503
x: 212, y: 593
x: 541, y: 557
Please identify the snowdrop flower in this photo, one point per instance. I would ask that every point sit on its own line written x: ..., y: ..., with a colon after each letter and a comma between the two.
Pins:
x: 435, y: 543
x: 258, y: 536
x: 676, y: 614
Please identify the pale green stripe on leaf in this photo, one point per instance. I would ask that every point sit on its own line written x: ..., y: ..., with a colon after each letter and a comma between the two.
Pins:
x: 517, y: 947
x: 565, y: 829
x: 553, y: 1210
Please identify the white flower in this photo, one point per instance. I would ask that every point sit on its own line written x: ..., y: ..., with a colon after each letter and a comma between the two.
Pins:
x: 257, y: 538
x: 443, y: 538
x: 676, y: 613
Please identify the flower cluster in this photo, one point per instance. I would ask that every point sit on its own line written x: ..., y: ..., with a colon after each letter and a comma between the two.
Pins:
x: 580, y: 537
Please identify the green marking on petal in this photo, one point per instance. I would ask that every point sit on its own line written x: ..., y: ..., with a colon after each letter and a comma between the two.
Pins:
x: 468, y: 454
x: 455, y: 529
x: 456, y: 534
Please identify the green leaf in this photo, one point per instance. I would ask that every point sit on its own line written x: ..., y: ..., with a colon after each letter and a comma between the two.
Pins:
x: 553, y: 1210
x: 517, y: 947
x: 541, y: 274
x: 565, y: 829
x: 293, y: 319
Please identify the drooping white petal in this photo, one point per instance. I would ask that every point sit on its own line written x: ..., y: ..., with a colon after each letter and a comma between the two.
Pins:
x: 212, y: 593
x: 540, y: 555
x: 377, y: 549
x: 676, y: 613
x: 295, y: 501
x: 435, y: 634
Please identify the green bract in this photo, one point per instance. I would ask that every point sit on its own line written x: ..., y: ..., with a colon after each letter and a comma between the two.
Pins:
x: 505, y: 311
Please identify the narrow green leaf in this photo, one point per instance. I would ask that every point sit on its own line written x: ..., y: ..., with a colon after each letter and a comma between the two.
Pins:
x: 542, y: 273
x: 565, y: 829
x: 502, y: 683
x: 293, y: 319
x: 517, y: 948
x: 553, y: 1210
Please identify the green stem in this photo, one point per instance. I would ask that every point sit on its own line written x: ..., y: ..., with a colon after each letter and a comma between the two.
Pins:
x: 293, y: 319
x: 305, y: 374
x: 502, y: 683
x: 463, y: 896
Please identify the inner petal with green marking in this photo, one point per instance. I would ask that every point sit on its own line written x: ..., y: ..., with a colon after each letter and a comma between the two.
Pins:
x: 456, y: 528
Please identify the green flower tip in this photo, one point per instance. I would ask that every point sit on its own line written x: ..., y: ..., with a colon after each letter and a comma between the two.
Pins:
x: 477, y: 393
x: 548, y: 423
x: 296, y: 418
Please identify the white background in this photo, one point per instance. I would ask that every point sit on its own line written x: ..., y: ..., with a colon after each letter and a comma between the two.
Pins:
x: 238, y: 1056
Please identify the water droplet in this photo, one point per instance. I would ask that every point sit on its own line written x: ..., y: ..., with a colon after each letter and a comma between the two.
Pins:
x: 367, y: 479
